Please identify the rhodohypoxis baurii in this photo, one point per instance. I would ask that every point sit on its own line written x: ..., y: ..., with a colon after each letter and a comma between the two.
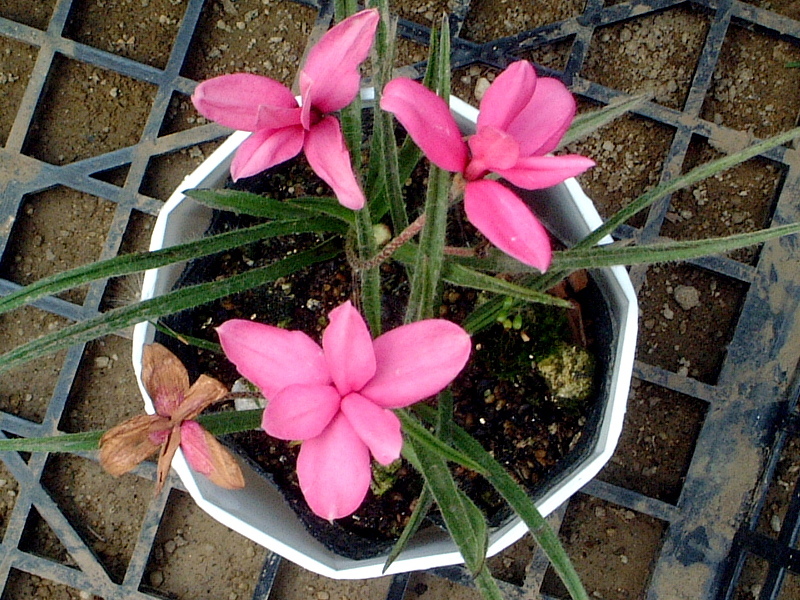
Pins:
x: 177, y: 404
x: 337, y: 398
x: 281, y: 128
x: 521, y: 119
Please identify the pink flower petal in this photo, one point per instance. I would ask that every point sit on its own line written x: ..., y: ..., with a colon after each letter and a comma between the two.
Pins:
x: 195, y: 448
x: 416, y: 361
x: 334, y: 470
x: 546, y: 118
x: 507, y: 222
x: 378, y: 428
x: 234, y: 100
x: 327, y: 154
x: 300, y: 412
x: 273, y: 358
x: 492, y: 149
x: 508, y: 95
x: 539, y: 172
x: 348, y: 349
x: 332, y: 64
x: 428, y: 121
x: 266, y: 148
x: 276, y: 117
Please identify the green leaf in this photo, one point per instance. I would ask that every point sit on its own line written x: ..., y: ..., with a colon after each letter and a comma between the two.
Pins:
x: 154, y: 308
x: 696, y: 175
x: 611, y: 255
x: 433, y: 444
x: 519, y: 500
x: 219, y: 423
x: 415, y: 521
x: 133, y: 263
x: 68, y: 442
x: 188, y: 339
x: 255, y: 205
x: 427, y: 270
x: 466, y: 277
x: 589, y: 122
x: 231, y: 421
x: 463, y: 519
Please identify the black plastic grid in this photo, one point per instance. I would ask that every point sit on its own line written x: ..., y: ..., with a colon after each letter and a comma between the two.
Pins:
x: 744, y: 404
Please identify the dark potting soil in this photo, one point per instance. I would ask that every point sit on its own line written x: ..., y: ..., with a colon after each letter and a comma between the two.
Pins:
x: 508, y: 409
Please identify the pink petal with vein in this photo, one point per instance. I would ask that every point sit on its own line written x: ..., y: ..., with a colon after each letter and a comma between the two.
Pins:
x: 266, y: 148
x: 544, y: 121
x: 416, y: 361
x: 538, y: 172
x: 275, y: 117
x: 234, y: 100
x: 332, y: 65
x: 427, y: 119
x: 328, y: 156
x: 300, y: 412
x: 348, y: 349
x: 507, y: 222
x: 508, y: 95
x: 334, y: 470
x: 195, y: 448
x: 378, y: 428
x: 273, y: 358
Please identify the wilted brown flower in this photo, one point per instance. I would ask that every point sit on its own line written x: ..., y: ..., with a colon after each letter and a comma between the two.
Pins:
x: 177, y: 404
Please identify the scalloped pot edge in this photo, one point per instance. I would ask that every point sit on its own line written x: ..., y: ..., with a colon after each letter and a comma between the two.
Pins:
x: 259, y: 511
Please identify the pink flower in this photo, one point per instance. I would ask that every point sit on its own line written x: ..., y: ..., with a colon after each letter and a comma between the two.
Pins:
x: 337, y: 397
x: 521, y: 119
x: 281, y: 128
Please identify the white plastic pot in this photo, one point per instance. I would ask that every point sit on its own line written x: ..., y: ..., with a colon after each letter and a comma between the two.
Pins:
x: 260, y: 512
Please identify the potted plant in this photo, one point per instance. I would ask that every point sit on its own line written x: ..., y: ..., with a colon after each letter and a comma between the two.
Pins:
x: 351, y: 392
x: 264, y: 515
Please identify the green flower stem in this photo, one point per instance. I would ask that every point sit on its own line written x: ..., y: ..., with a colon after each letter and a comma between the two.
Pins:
x: 172, y: 302
x: 369, y: 278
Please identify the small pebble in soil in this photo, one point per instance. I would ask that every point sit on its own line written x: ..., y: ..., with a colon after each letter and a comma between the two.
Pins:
x: 775, y: 523
x: 687, y: 297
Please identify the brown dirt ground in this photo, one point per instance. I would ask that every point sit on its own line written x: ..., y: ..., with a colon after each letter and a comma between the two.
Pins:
x: 87, y: 111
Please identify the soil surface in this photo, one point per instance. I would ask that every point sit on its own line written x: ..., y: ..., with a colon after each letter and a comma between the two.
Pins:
x: 86, y: 111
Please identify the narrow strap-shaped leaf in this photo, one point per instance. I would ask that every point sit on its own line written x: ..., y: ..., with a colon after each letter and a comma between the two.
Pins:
x: 325, y: 206
x: 68, y: 442
x: 231, y: 421
x: 427, y: 269
x: 487, y: 585
x: 189, y: 340
x: 415, y: 521
x: 589, y: 122
x: 154, y: 308
x: 463, y: 519
x: 433, y: 444
x: 610, y: 255
x: 696, y: 175
x: 425, y: 501
x: 466, y: 277
x: 519, y: 500
x: 132, y: 263
x: 255, y: 205
x: 219, y: 423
